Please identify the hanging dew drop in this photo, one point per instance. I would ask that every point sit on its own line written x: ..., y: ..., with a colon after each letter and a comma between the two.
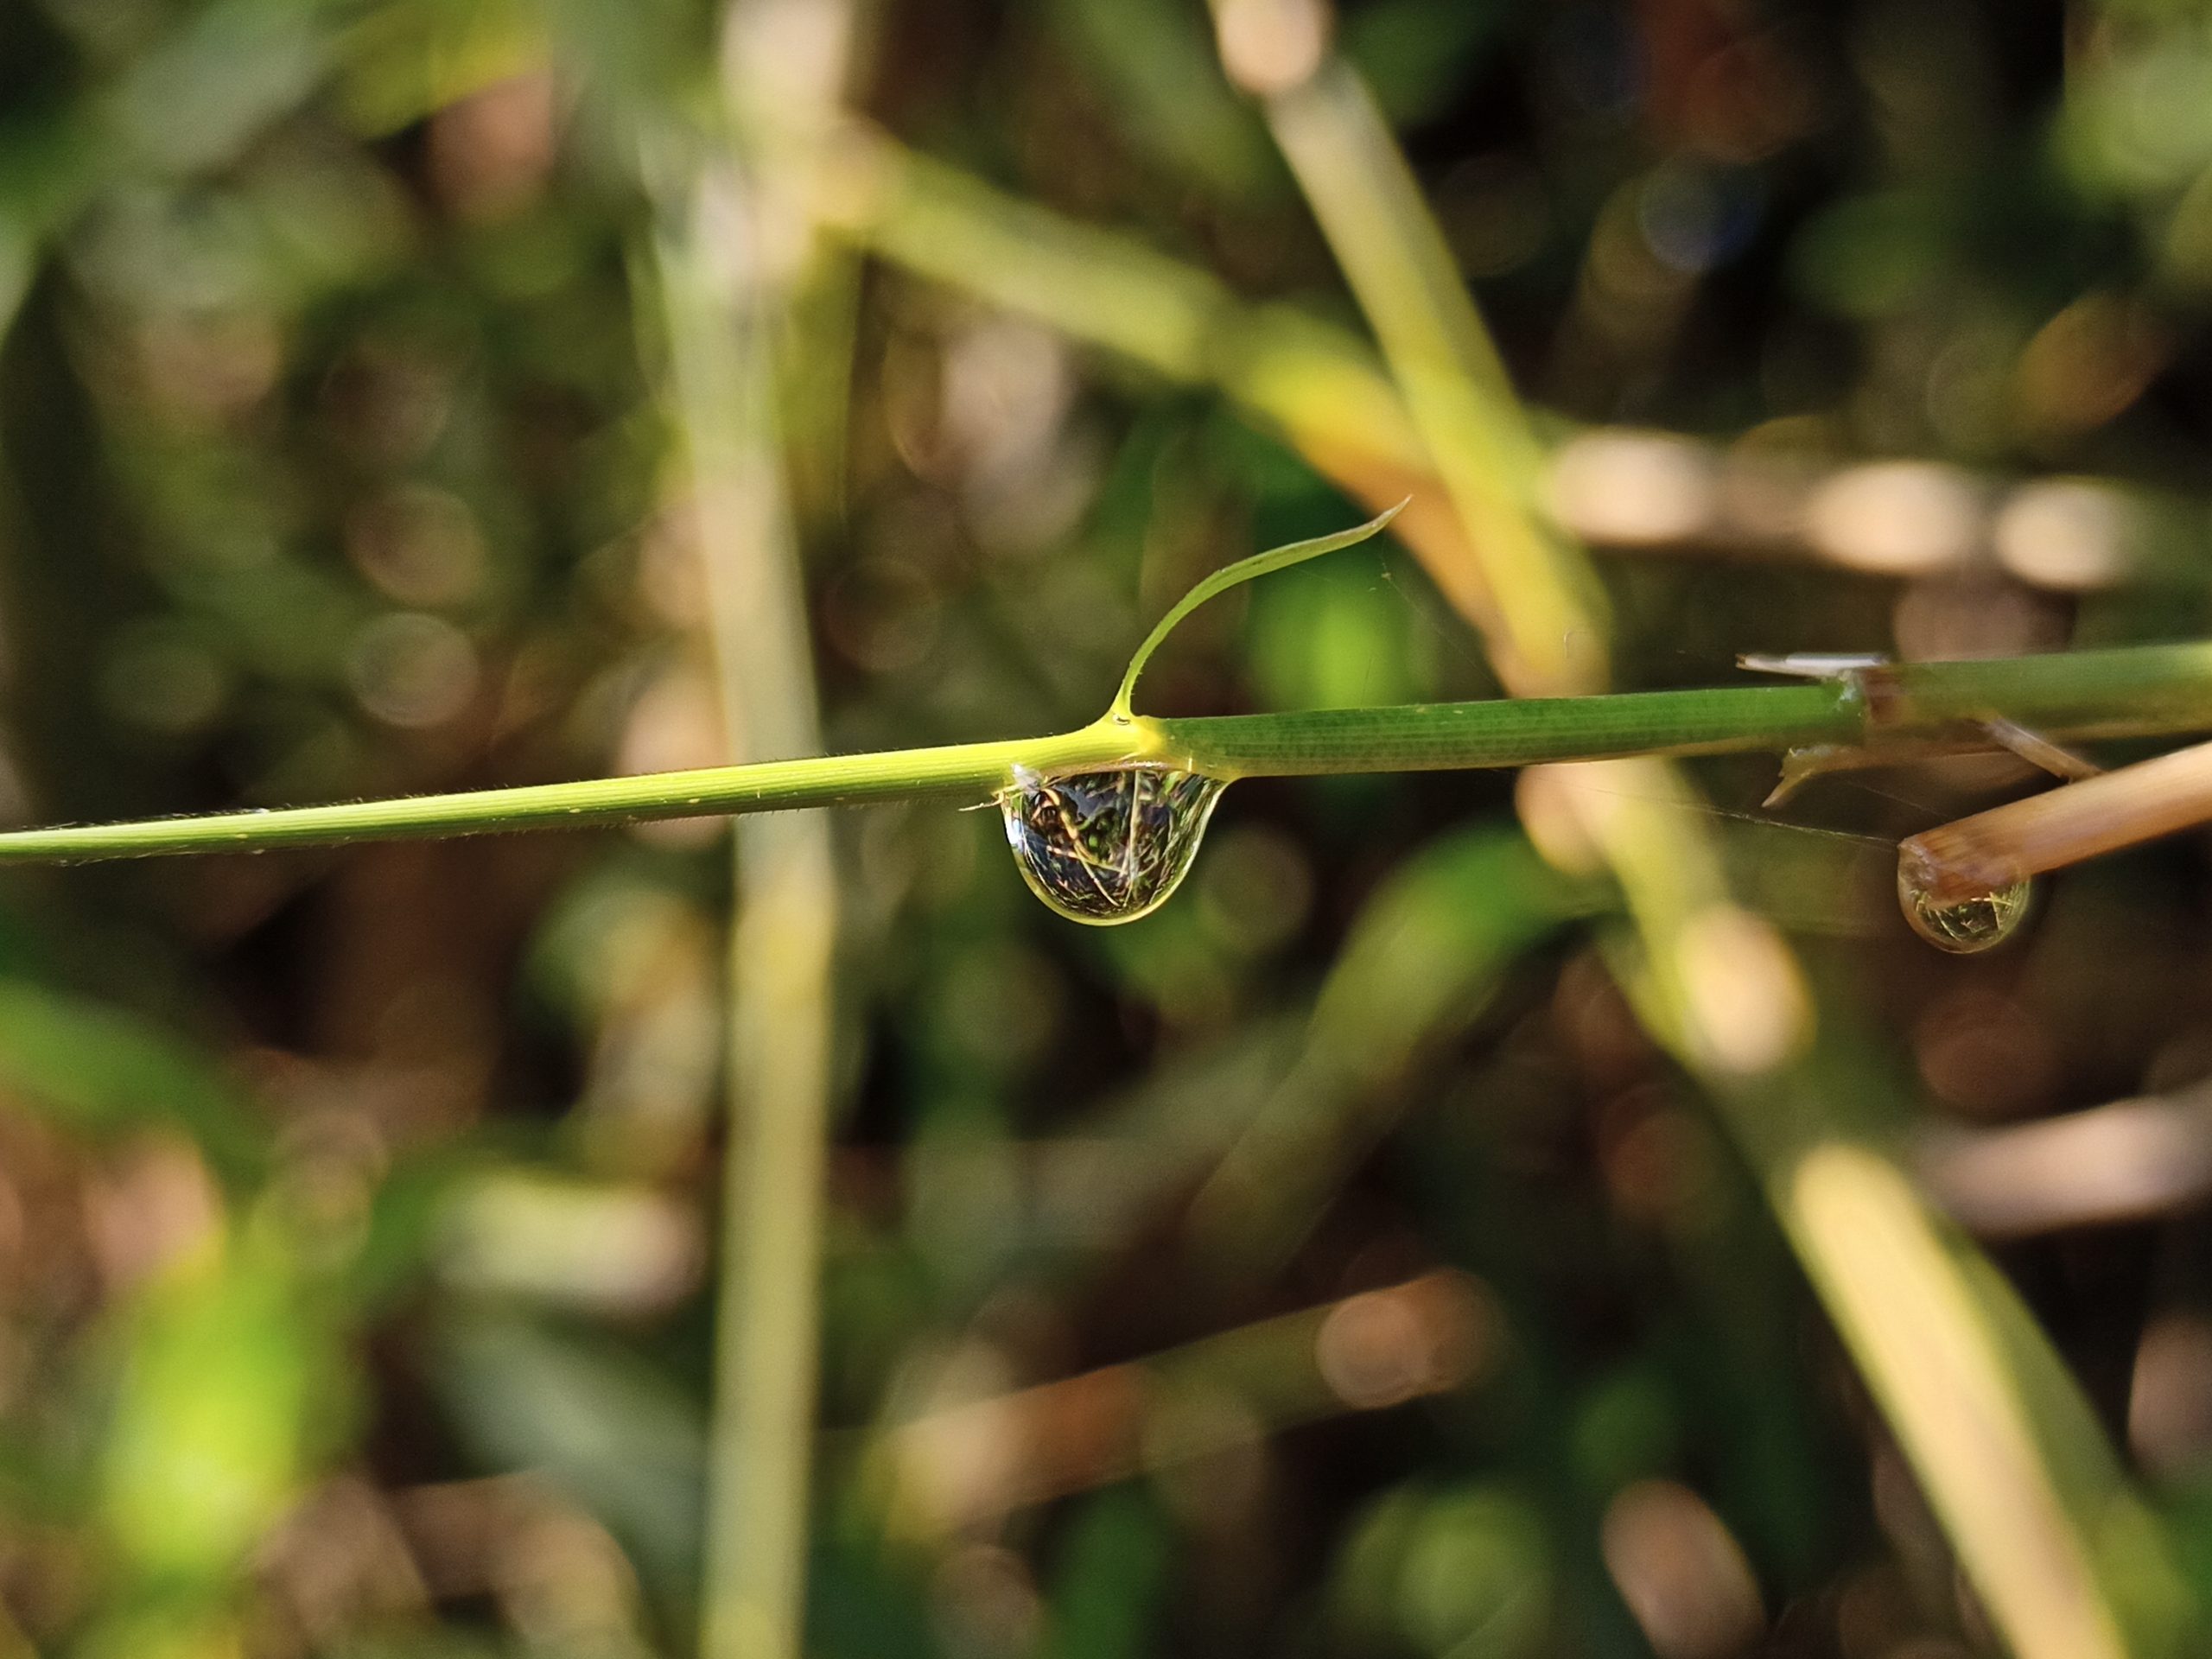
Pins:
x: 1108, y: 846
x: 1962, y: 925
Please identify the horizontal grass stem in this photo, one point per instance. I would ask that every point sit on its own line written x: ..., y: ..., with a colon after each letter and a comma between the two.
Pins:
x: 830, y: 780
x: 2131, y: 692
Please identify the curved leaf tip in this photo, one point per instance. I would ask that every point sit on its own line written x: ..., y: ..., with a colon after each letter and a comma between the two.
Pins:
x: 1230, y: 576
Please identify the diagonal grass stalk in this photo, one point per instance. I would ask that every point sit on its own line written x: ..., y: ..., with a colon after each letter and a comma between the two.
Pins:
x: 1980, y: 1418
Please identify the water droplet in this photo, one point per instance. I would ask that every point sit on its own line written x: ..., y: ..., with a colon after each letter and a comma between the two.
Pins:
x: 1965, y: 925
x: 1109, y: 846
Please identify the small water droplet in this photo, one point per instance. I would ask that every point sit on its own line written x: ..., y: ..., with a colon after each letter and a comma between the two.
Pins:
x: 1107, y: 846
x: 1966, y: 925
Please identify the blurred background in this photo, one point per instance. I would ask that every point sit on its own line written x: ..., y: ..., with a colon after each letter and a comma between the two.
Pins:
x: 413, y: 395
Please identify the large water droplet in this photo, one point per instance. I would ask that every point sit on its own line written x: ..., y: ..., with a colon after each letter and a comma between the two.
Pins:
x: 1962, y: 925
x: 1109, y: 846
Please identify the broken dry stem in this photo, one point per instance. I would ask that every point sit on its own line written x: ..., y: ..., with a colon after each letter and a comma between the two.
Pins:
x: 1994, y: 849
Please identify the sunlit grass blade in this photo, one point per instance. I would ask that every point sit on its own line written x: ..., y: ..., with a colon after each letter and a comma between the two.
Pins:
x: 1549, y: 633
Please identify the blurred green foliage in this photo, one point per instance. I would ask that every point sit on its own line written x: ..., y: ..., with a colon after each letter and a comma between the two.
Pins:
x: 1327, y: 1265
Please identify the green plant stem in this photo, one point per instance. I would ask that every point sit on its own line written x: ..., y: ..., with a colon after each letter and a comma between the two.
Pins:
x: 2138, y: 691
x: 2134, y: 692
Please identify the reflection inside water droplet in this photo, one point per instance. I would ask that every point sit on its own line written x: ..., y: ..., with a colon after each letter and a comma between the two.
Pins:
x: 1108, y: 846
x: 1965, y: 925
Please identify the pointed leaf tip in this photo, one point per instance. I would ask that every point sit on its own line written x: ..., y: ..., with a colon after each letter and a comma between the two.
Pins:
x: 1232, y: 575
